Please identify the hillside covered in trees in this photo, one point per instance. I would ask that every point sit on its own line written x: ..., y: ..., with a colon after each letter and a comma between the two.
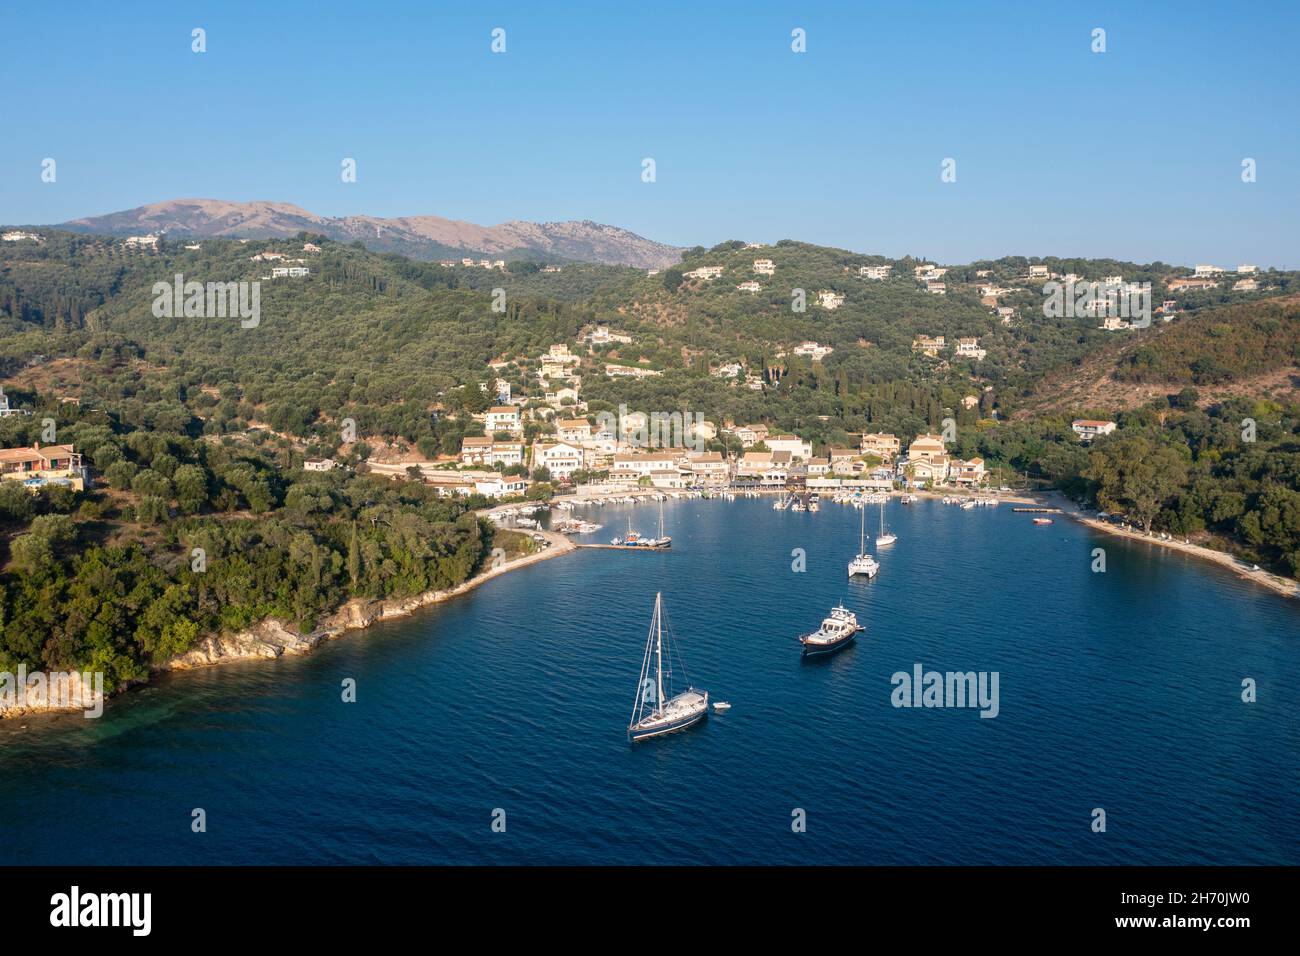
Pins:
x: 196, y: 427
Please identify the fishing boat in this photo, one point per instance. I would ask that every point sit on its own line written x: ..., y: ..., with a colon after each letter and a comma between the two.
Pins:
x: 653, y: 714
x: 629, y: 540
x: 838, y: 629
x: 864, y: 563
x: 884, y: 537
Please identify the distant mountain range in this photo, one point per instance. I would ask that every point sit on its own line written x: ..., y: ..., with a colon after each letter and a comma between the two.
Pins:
x: 421, y: 237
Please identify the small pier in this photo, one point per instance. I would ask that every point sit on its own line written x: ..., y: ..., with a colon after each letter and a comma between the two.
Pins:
x: 1037, y: 511
x: 626, y: 547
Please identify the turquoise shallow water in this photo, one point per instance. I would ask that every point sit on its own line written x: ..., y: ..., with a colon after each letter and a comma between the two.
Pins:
x: 1118, y: 690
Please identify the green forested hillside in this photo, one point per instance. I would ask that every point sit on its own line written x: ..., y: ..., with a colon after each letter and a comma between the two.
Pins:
x: 197, y: 426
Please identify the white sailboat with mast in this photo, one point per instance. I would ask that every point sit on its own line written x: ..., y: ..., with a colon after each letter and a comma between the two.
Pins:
x: 884, y: 537
x: 864, y: 563
x: 652, y: 714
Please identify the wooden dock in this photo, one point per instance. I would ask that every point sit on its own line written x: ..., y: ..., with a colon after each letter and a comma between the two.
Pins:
x: 1037, y: 511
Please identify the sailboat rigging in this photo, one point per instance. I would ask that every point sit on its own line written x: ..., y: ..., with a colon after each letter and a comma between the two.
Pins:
x: 652, y: 715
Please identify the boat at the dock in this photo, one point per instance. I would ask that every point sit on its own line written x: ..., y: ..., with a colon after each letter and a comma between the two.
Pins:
x: 838, y: 629
x: 653, y: 714
x: 634, y: 539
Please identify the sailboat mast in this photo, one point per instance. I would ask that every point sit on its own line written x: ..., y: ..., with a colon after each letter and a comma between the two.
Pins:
x: 862, y: 531
x: 659, y: 653
x: 661, y: 519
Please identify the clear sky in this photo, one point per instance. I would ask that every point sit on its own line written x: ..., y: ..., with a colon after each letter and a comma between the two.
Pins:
x: 1133, y: 153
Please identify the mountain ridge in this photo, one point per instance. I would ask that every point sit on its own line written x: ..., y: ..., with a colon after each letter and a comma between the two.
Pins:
x: 424, y: 237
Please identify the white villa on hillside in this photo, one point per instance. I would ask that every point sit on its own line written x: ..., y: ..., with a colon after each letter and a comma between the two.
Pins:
x: 925, y: 448
x: 795, y: 446
x: 881, y: 445
x: 573, y: 430
x: 813, y: 350
x: 502, y: 418
x: 629, y: 371
x: 1087, y: 429
x: 561, y: 458
x: 707, y: 273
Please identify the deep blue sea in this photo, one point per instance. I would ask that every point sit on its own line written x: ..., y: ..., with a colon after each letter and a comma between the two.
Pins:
x: 1119, y: 690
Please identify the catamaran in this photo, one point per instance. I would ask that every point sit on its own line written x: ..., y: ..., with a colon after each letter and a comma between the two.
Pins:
x: 837, y: 630
x: 652, y: 714
x: 884, y: 537
x: 863, y: 563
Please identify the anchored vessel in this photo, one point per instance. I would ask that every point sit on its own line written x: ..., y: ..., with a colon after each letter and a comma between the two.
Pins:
x: 864, y: 563
x: 885, y: 537
x: 652, y: 714
x: 836, y: 632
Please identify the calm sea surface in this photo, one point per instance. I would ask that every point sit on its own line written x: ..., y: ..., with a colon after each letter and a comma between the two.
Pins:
x: 1119, y: 690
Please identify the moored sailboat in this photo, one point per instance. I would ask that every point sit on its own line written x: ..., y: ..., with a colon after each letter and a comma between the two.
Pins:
x: 652, y: 714
x: 884, y: 537
x: 864, y: 564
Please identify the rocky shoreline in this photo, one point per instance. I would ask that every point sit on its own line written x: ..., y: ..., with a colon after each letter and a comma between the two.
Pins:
x: 270, y: 639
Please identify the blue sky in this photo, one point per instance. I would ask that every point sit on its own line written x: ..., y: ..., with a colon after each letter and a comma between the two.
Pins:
x: 1133, y: 153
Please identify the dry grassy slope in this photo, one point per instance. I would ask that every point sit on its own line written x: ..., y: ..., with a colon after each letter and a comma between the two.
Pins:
x: 1093, y: 385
